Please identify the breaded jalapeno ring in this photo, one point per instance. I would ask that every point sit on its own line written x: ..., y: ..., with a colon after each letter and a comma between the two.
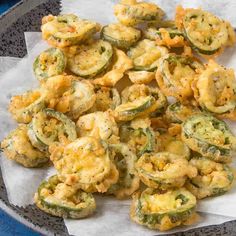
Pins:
x: 164, y: 170
x: 89, y: 60
x: 146, y: 55
x: 58, y: 199
x: 139, y: 135
x: 66, y: 30
x: 24, y: 107
x: 133, y: 92
x: 130, y: 110
x: 206, y: 33
x: 131, y: 12
x: 18, y: 147
x: 162, y: 210
x: 85, y: 163
x: 215, y: 89
x: 106, y: 98
x: 213, y: 178
x: 178, y: 113
x: 79, y: 98
x: 176, y: 74
x: 48, y: 126
x: 128, y: 181
x: 209, y: 136
x: 173, y: 144
x: 100, y: 125
x: 49, y: 63
x: 120, y: 36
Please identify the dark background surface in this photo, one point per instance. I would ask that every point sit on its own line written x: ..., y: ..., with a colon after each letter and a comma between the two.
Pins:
x: 6, y: 4
x: 11, y: 227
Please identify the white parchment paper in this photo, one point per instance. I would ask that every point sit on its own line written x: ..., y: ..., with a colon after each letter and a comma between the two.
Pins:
x: 112, y: 216
x: 102, y: 10
x: 21, y: 183
x: 7, y: 63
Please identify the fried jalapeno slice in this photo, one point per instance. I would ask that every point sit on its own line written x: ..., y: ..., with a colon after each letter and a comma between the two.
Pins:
x: 85, y: 163
x: 121, y: 64
x: 120, y: 36
x: 124, y: 160
x: 88, y: 60
x: 164, y: 170
x: 106, y: 98
x: 100, y: 125
x: 140, y: 107
x: 49, y: 126
x: 50, y: 62
x: 71, y: 95
x: 146, y: 55
x: 79, y: 98
x: 136, y: 91
x: 170, y: 37
x: 140, y: 100
x: 66, y: 30
x: 162, y: 210
x: 54, y: 87
x: 215, y: 89
x: 154, y: 33
x: 176, y: 74
x: 23, y: 107
x: 206, y: 33
x: 139, y: 135
x: 131, y: 12
x: 56, y: 198
x: 209, y: 136
x: 173, y: 144
x: 213, y: 178
x: 141, y: 77
x: 17, y: 146
x: 178, y: 113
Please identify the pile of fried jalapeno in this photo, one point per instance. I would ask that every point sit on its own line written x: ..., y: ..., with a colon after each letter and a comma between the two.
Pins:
x: 129, y: 109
